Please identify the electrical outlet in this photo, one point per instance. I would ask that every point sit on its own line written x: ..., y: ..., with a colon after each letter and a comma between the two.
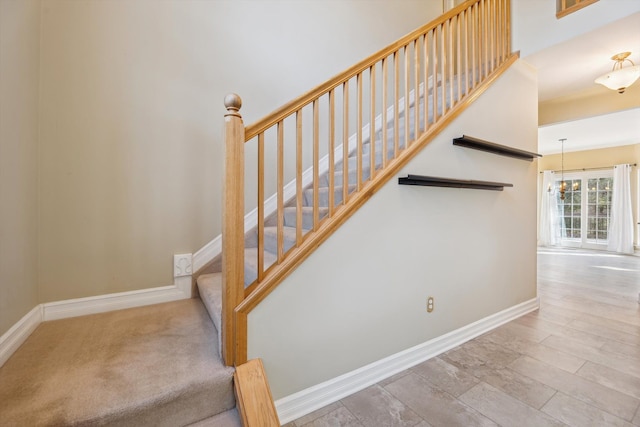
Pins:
x: 182, y: 265
x: 429, y: 304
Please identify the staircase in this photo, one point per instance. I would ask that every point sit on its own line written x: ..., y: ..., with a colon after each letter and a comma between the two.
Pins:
x: 210, y: 283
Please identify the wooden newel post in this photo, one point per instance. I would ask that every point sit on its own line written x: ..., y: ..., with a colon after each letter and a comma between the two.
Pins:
x: 232, y: 224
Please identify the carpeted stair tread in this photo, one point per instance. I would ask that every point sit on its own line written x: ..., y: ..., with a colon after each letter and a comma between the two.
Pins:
x: 148, y: 366
x: 291, y: 219
x: 271, y: 239
x: 323, y: 192
x: 210, y: 289
x: 251, y: 264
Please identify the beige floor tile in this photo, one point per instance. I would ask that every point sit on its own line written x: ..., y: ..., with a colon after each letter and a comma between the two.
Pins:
x: 317, y: 414
x: 448, y: 377
x: 464, y: 359
x: 526, y: 332
x: 552, y: 315
x: 376, y: 406
x: 339, y: 417
x: 556, y: 358
x: 509, y: 340
x: 611, y: 378
x: 393, y: 378
x: 623, y: 349
x: 627, y: 328
x: 614, y: 360
x: 492, y: 352
x: 576, y: 413
x: 607, y: 332
x: 436, y: 406
x: 636, y: 419
x: 580, y: 388
x: 521, y: 387
x: 504, y: 409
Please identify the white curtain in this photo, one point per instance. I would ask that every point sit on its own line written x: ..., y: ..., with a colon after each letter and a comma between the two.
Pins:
x: 549, y: 227
x: 621, y: 225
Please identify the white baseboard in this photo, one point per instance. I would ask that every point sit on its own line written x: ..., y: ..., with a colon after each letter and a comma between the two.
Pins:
x: 181, y: 289
x: 306, y: 401
x: 14, y: 337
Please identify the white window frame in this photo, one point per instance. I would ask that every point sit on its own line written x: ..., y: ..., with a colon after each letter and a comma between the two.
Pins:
x: 584, y: 176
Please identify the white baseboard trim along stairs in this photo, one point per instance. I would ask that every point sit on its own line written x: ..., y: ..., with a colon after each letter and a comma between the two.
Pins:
x: 14, y: 337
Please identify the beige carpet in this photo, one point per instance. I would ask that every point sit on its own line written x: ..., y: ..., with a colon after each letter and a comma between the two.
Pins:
x: 149, y: 366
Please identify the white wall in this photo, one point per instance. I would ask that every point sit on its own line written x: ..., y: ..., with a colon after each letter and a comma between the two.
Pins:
x: 535, y: 26
x: 361, y: 296
x: 19, y: 64
x: 132, y: 112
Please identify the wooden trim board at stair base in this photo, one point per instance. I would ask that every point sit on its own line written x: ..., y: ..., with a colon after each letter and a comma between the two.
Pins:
x: 315, y: 239
x: 253, y: 396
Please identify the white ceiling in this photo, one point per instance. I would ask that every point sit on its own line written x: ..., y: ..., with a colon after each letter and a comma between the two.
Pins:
x: 609, y: 130
x: 570, y: 68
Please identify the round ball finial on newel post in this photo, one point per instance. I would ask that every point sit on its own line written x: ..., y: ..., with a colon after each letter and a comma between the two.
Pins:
x: 233, y: 103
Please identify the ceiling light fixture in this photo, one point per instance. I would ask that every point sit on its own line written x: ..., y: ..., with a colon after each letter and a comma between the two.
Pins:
x: 620, y: 78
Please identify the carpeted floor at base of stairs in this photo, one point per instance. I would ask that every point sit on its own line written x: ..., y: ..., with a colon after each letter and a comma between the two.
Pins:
x: 148, y: 366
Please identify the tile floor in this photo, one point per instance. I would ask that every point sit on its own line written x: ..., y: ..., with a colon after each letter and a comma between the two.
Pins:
x: 575, y: 361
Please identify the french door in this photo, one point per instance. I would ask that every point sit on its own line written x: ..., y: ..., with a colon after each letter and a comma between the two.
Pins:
x: 585, y: 211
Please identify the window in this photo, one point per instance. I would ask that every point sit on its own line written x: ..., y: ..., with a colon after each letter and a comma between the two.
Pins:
x: 565, y: 7
x: 586, y: 208
x: 599, y: 208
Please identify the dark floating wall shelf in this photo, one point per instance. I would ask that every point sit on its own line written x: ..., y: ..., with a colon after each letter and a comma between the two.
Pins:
x: 491, y: 147
x: 430, y: 181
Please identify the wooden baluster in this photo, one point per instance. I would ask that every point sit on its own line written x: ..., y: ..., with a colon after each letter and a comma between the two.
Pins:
x: 436, y: 81
x: 232, y: 224
x: 499, y: 33
x: 450, y: 60
x: 407, y: 91
x: 467, y: 66
x: 332, y: 148
x: 416, y: 89
x: 316, y: 164
x: 385, y: 100
x: 260, y: 206
x: 473, y: 42
x: 396, y: 104
x: 345, y: 142
x: 443, y: 68
x: 507, y: 17
x: 485, y: 38
x: 492, y: 38
x: 280, y: 212
x: 372, y: 122
x: 425, y: 94
x: 359, y: 131
x: 459, y: 69
x: 299, y: 194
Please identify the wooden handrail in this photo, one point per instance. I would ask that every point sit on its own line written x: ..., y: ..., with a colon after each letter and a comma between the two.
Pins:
x: 419, y: 83
x: 305, y: 99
